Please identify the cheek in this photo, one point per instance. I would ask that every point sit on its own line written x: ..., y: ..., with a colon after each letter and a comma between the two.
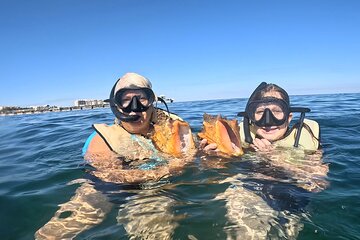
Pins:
x: 282, y: 131
x: 257, y: 130
x: 148, y: 114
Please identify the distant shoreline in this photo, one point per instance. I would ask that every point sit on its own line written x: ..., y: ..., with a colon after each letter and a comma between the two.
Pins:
x: 30, y: 111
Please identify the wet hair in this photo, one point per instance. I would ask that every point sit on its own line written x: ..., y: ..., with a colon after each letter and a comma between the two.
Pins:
x: 270, y: 87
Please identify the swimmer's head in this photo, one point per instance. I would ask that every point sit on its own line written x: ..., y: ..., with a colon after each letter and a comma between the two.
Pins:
x: 132, y: 81
x: 268, y: 105
x: 268, y: 109
x: 131, y: 101
x: 133, y: 93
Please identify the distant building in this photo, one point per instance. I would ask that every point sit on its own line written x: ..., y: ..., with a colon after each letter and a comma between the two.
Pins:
x: 89, y: 103
x: 7, y: 108
x: 40, y: 108
x: 80, y: 103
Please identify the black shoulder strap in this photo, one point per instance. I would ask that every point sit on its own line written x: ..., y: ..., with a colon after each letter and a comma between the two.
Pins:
x: 163, y: 101
x: 301, y: 122
x: 246, y: 124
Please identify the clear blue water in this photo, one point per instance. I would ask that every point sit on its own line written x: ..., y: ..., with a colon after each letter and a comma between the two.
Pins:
x: 40, y: 154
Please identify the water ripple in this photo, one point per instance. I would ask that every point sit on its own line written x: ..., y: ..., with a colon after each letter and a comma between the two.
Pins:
x: 41, y: 153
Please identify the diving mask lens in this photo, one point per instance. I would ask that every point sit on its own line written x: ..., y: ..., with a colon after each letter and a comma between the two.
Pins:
x: 275, y: 110
x: 126, y: 97
x: 268, y: 112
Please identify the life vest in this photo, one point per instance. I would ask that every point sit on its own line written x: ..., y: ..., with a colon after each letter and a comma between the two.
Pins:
x: 309, y: 138
x: 127, y: 145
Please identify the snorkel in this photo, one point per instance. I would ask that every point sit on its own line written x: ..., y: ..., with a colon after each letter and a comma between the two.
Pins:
x: 267, y: 117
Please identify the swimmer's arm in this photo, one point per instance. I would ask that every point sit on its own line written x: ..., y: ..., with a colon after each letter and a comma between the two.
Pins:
x: 109, y: 168
x: 310, y: 172
x: 100, y: 156
x: 98, y: 145
x: 318, y: 169
x: 132, y: 176
x: 82, y: 206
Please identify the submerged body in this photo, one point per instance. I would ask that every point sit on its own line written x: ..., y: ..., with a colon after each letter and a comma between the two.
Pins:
x: 167, y: 147
x: 144, y: 144
x: 295, y: 152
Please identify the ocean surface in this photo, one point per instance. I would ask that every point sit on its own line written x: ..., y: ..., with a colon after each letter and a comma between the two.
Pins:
x: 41, y: 167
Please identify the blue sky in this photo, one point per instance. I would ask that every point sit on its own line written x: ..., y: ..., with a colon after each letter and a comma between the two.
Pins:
x: 53, y: 52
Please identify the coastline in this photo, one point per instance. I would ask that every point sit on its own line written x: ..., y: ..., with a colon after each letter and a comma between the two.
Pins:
x: 29, y: 111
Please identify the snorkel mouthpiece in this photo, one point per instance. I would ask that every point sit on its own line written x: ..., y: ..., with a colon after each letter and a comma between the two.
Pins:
x: 128, y: 118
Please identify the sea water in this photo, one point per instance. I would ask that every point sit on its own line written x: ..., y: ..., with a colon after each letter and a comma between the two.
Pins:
x: 40, y: 156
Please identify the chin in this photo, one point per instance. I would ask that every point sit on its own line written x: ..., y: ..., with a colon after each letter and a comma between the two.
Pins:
x: 134, y: 127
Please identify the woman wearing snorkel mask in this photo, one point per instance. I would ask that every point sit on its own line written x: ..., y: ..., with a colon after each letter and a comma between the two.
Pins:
x: 267, y: 119
x: 266, y: 123
x: 286, y: 165
x: 131, y: 101
x: 126, y: 151
x: 266, y: 129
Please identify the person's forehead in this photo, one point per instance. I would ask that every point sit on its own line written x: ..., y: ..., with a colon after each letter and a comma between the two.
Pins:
x: 133, y: 91
x: 270, y: 105
x: 273, y: 94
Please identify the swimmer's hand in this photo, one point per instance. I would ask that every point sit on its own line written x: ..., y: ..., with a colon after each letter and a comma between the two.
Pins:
x: 208, y: 149
x: 262, y: 145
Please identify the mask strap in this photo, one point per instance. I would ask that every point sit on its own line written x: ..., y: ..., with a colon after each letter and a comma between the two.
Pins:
x: 246, y: 124
x: 163, y: 101
x: 301, y: 122
x: 248, y: 137
x: 258, y: 88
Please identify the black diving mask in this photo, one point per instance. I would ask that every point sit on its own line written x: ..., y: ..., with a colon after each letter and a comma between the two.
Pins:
x: 139, y: 101
x: 270, y: 111
x: 267, y: 112
x: 134, y: 100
